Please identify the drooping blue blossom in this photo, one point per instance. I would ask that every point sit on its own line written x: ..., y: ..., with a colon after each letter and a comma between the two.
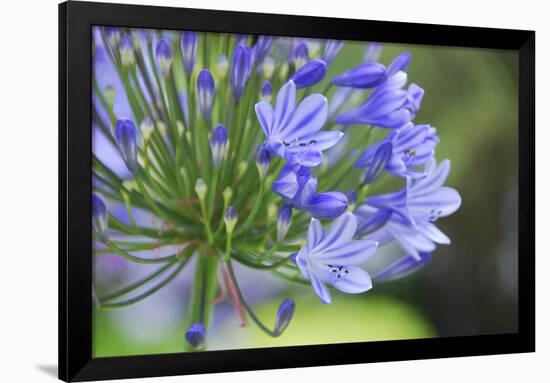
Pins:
x: 100, y: 217
x: 399, y: 64
x: 284, y: 220
x: 309, y: 74
x: 294, y: 132
x: 378, y: 162
x: 262, y: 47
x: 414, y: 211
x: 189, y: 42
x: 370, y: 219
x: 299, y: 189
x: 218, y: 144
x: 332, y: 47
x: 266, y: 91
x: 412, y: 146
x: 333, y: 257
x: 126, y: 138
x: 284, y: 316
x: 164, y: 57
x: 206, y: 92
x: 241, y: 68
x: 364, y: 76
x: 402, y: 267
x: 196, y: 335
x: 386, y: 108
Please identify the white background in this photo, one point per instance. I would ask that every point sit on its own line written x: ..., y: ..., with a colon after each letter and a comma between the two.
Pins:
x: 28, y: 179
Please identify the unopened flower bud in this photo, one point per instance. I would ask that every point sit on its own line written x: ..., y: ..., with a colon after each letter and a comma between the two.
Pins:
x: 300, y: 55
x: 263, y: 158
x: 241, y: 68
x: 310, y: 73
x: 126, y: 137
x: 230, y: 219
x: 268, y: 67
x: 206, y: 92
x: 218, y: 144
x: 242, y: 168
x: 100, y: 218
x: 110, y: 95
x: 284, y: 316
x: 196, y: 335
x: 266, y: 91
x: 332, y: 47
x: 222, y: 65
x: 188, y: 43
x: 126, y: 49
x: 147, y: 125
x: 284, y: 219
x: 227, y: 195
x: 164, y: 57
x: 200, y: 188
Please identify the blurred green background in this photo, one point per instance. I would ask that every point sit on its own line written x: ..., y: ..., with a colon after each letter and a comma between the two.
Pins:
x: 469, y: 288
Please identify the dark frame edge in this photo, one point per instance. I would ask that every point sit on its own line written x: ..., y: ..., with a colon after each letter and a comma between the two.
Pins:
x: 75, y: 352
x: 526, y: 192
x: 62, y: 192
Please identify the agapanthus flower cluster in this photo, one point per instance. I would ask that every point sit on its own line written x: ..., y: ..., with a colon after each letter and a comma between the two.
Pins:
x: 252, y: 149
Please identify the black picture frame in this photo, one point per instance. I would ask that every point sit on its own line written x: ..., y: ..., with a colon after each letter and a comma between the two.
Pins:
x: 75, y: 255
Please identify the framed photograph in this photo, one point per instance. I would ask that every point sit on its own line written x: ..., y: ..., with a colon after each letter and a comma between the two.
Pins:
x: 246, y: 191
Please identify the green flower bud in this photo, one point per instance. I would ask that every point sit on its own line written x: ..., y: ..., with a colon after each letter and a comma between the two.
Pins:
x: 200, y: 188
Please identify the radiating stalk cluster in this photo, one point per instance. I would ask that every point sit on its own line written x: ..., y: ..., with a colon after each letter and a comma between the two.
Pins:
x: 249, y: 149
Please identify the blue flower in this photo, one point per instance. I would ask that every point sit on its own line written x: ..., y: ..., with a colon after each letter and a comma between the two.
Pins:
x: 411, y: 146
x: 284, y: 316
x: 263, y: 159
x: 284, y: 220
x: 373, y: 52
x: 196, y: 335
x: 293, y: 132
x: 266, y: 91
x: 309, y: 74
x: 126, y: 137
x: 126, y: 49
x: 364, y: 76
x: 333, y: 257
x: 399, y: 64
x: 414, y: 211
x: 188, y: 42
x: 332, y: 47
x: 241, y: 68
x: 299, y: 189
x: 402, y: 267
x: 218, y: 144
x: 206, y: 92
x: 262, y: 47
x: 164, y: 57
x: 100, y: 218
x: 299, y: 55
x: 378, y: 162
x: 386, y: 107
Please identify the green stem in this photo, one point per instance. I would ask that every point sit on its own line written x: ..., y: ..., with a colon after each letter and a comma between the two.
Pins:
x: 205, y: 282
